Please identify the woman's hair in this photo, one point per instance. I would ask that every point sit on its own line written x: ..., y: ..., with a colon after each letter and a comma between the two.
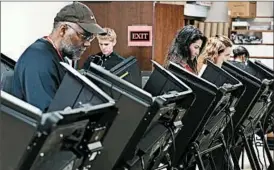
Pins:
x: 110, y: 35
x: 240, y: 51
x: 179, y: 50
x: 214, y: 47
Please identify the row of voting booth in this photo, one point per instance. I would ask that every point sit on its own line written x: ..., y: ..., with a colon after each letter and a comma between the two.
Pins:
x: 106, y: 120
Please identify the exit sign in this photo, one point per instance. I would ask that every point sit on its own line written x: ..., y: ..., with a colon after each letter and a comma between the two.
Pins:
x: 139, y: 35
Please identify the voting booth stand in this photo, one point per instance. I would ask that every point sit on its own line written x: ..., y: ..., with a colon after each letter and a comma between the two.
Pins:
x: 217, y: 93
x: 70, y: 132
x: 268, y: 123
x: 253, y: 110
x: 148, y: 119
x: 128, y: 70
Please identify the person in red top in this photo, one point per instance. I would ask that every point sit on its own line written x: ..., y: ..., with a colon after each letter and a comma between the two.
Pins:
x: 186, y: 47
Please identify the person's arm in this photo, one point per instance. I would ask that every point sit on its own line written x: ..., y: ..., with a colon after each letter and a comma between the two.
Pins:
x: 96, y: 59
x: 202, y: 70
x: 41, y: 83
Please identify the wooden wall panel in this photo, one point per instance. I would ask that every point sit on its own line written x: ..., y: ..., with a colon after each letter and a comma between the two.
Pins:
x: 168, y: 20
x: 120, y: 15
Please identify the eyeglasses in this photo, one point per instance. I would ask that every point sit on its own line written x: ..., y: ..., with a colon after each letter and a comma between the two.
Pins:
x: 82, y: 36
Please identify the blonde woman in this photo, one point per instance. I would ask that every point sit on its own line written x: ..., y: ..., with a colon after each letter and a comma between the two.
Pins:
x: 107, y: 58
x: 217, y: 50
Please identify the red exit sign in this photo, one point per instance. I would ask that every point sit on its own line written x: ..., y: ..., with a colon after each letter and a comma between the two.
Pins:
x: 139, y: 35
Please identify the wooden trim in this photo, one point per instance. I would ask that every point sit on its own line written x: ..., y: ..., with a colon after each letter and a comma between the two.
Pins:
x: 248, y: 17
x: 194, y: 18
x: 262, y: 57
x: 259, y: 57
x: 264, y: 16
x: 256, y: 44
x: 252, y: 30
x: 165, y: 28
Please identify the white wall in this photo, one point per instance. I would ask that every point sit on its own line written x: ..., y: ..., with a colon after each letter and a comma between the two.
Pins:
x: 264, y: 8
x: 268, y: 62
x: 27, y: 22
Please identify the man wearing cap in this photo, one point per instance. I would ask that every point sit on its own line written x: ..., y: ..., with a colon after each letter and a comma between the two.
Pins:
x: 38, y: 73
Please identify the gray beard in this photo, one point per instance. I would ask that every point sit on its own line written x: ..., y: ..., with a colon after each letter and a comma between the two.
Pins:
x: 69, y: 51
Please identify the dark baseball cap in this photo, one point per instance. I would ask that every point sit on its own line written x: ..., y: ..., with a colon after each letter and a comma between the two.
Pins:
x: 80, y: 14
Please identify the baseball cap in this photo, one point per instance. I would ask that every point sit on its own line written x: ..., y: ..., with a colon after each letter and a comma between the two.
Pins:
x: 80, y: 14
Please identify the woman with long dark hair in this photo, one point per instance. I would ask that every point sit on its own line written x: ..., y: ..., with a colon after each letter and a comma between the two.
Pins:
x: 186, y: 47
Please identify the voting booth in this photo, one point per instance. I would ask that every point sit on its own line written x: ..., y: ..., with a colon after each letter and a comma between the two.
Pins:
x: 253, y: 109
x: 217, y: 93
x: 143, y: 113
x: 70, y: 131
x: 129, y: 70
